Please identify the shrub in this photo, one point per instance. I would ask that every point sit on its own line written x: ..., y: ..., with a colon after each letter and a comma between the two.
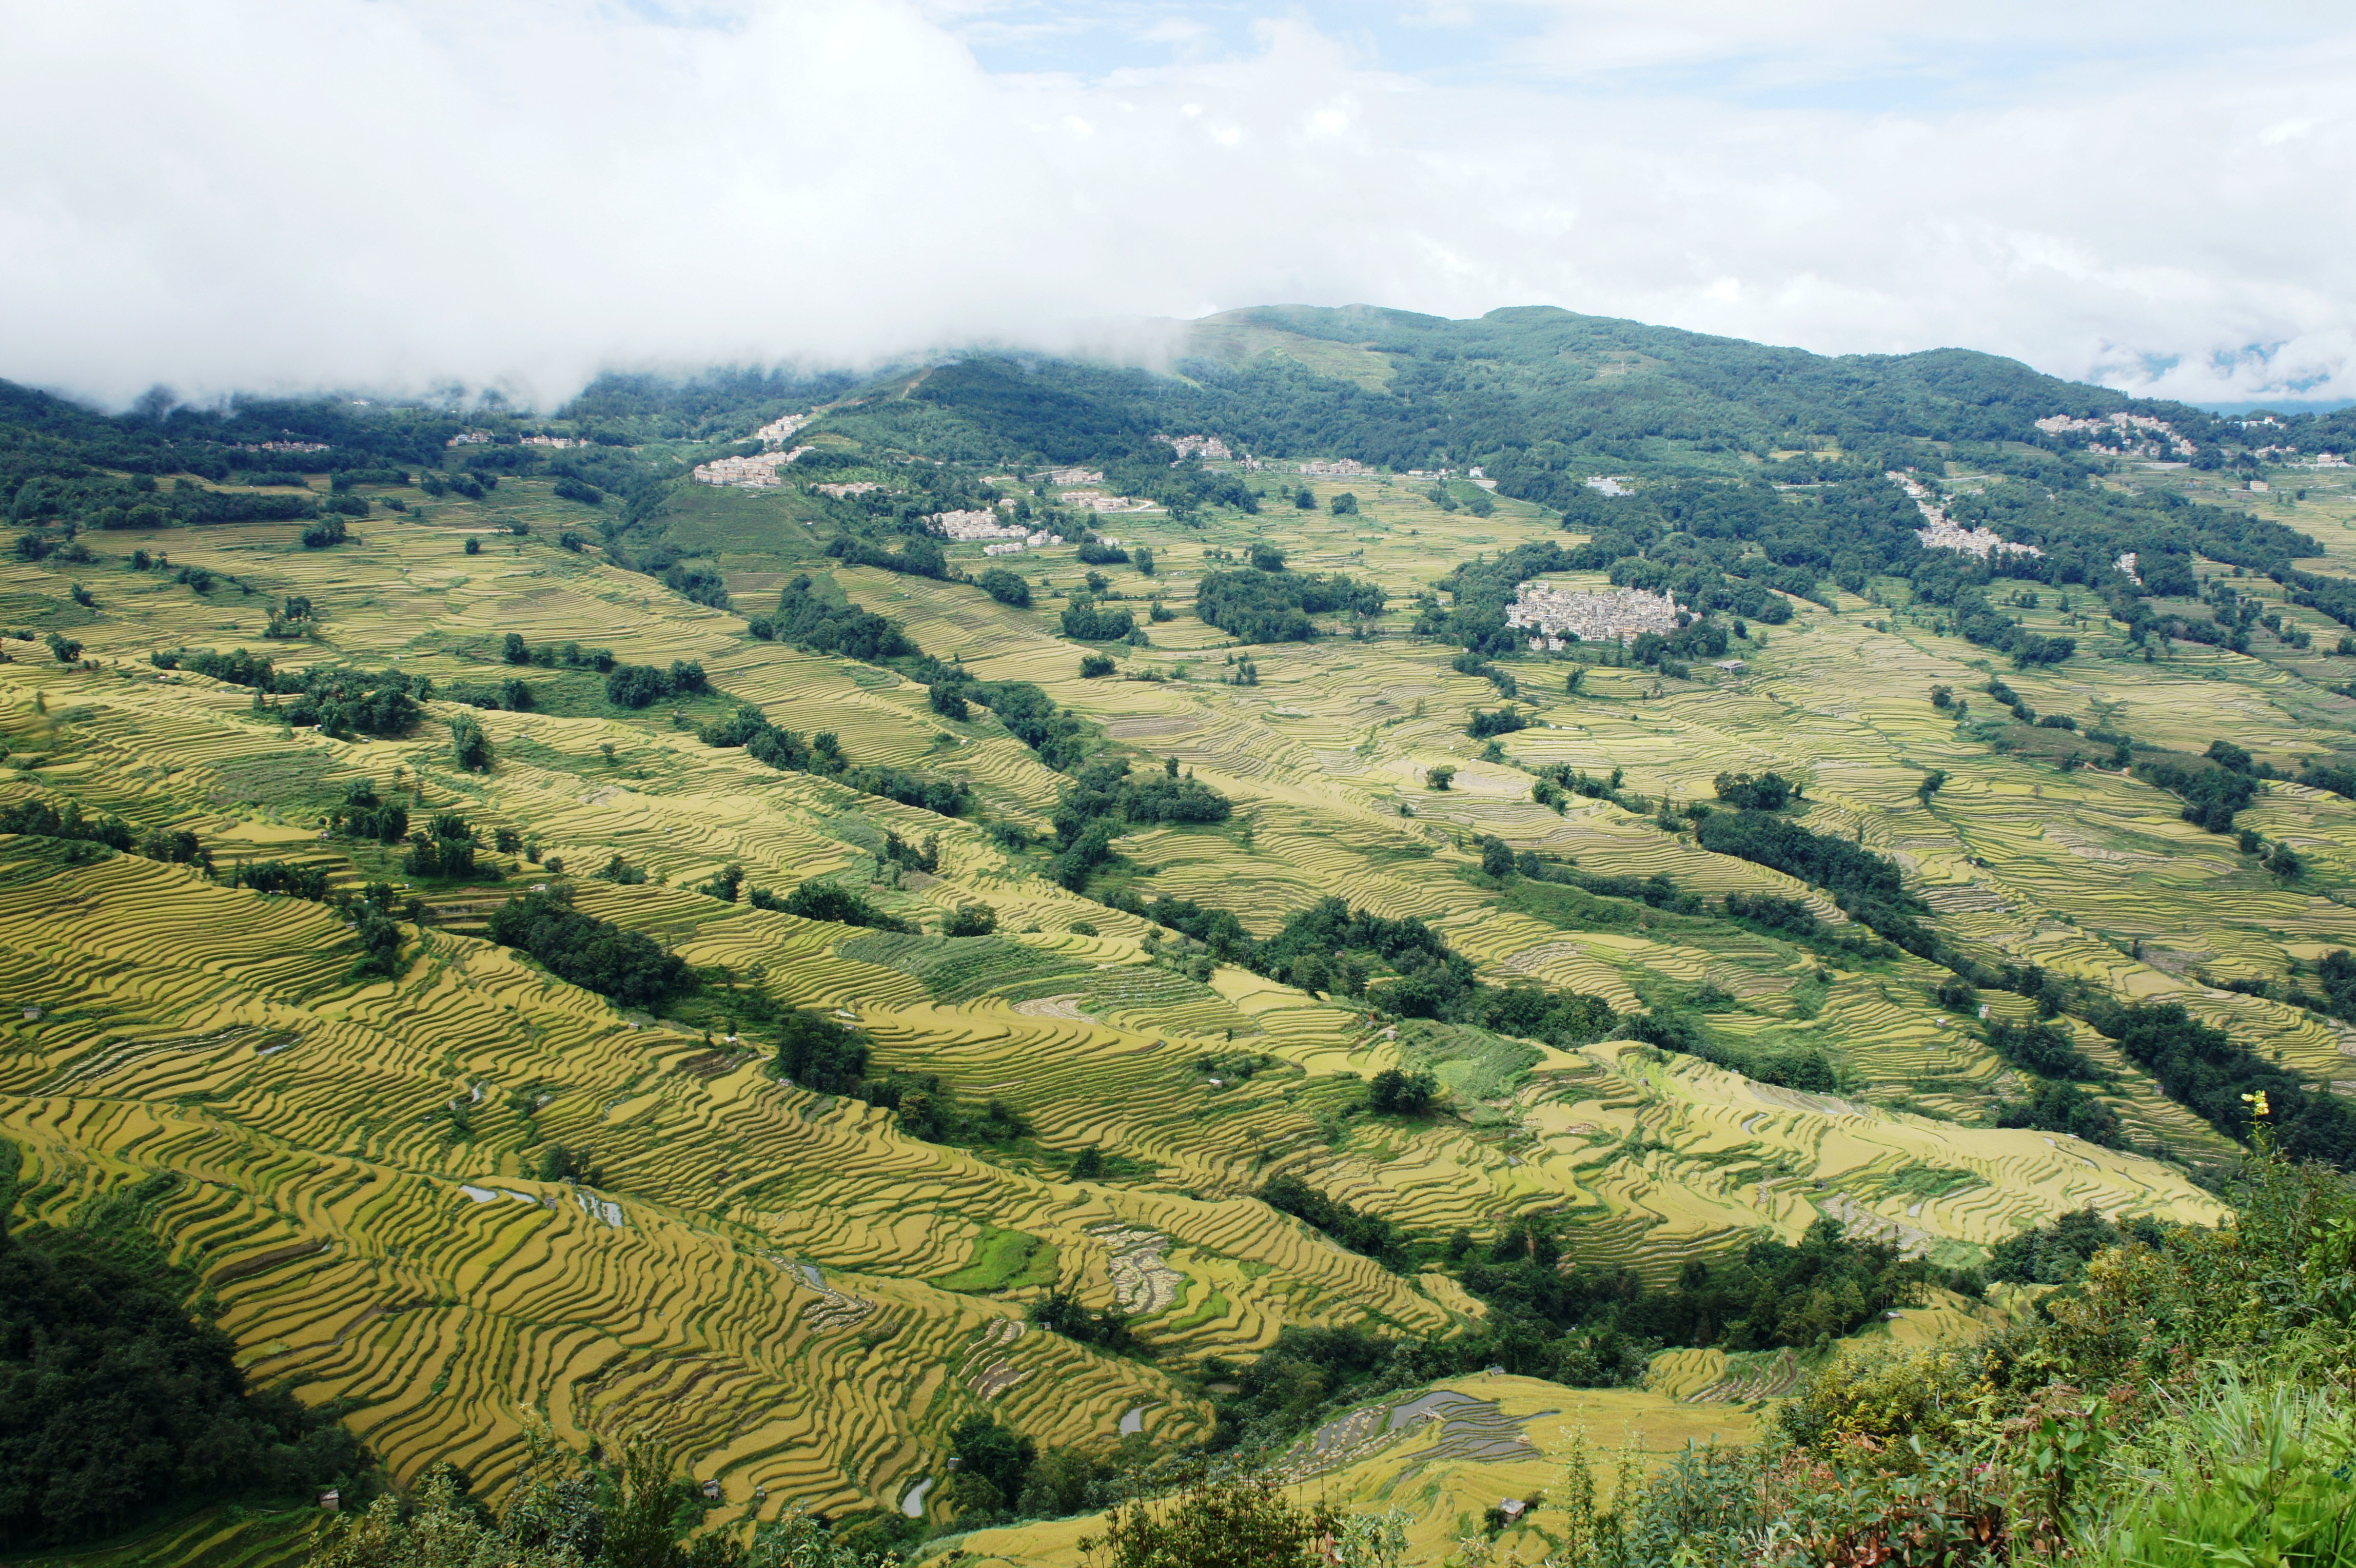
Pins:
x: 469, y: 746
x: 596, y: 954
x: 1767, y: 792
x: 826, y: 901
x: 1505, y: 721
x: 971, y: 920
x: 636, y: 686
x: 821, y: 1055
x: 1095, y: 665
x: 1084, y: 621
x: 1006, y: 587
x: 1396, y: 1093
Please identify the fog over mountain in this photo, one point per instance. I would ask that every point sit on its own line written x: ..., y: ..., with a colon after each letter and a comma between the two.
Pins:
x: 399, y: 193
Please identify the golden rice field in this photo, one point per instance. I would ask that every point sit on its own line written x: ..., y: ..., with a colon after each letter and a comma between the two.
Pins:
x: 802, y: 1299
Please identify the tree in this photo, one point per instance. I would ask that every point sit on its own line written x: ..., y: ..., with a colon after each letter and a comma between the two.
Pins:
x: 971, y: 920
x: 514, y: 650
x: 596, y: 954
x: 1266, y: 557
x: 1087, y: 621
x: 992, y: 1463
x: 1496, y: 857
x: 114, y: 1401
x: 636, y: 686
x: 1439, y: 777
x: 1765, y: 792
x: 1236, y: 1521
x: 469, y: 745
x: 1005, y: 587
x: 820, y: 1055
x: 1396, y: 1093
x: 1343, y: 505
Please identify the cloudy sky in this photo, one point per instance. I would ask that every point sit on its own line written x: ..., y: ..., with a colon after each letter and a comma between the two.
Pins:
x: 396, y: 193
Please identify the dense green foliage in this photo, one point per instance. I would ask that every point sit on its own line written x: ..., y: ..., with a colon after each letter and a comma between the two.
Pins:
x: 822, y: 754
x: 1005, y: 587
x: 1589, y: 1327
x: 1104, y: 801
x: 596, y: 954
x: 809, y: 620
x: 1087, y: 621
x: 827, y: 901
x: 67, y: 821
x: 2203, y: 1069
x: 115, y: 1403
x: 1254, y: 606
x: 1867, y: 886
x: 341, y: 702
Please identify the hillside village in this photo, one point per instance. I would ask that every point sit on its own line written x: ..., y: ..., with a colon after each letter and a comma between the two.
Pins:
x: 1940, y: 532
x: 1564, y: 616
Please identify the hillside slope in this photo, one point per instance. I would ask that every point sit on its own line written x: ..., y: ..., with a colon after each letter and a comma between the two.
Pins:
x: 456, y: 1189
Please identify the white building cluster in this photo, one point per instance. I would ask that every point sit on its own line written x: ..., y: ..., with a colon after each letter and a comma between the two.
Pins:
x: 282, y: 446
x: 1940, y: 532
x: 1210, y: 448
x: 1563, y: 616
x: 2134, y: 434
x: 845, y: 490
x: 971, y: 527
x: 777, y: 432
x: 1031, y: 541
x: 1611, y: 484
x: 469, y: 438
x: 1101, y: 501
x: 2127, y: 565
x: 747, y: 473
x: 1340, y: 468
x: 553, y: 441
x: 1076, y: 476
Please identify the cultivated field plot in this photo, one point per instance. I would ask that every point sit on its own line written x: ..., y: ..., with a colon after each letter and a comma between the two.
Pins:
x: 805, y: 1299
x: 1444, y: 1456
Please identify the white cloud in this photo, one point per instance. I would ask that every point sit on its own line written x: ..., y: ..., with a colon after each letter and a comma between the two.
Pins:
x: 394, y: 192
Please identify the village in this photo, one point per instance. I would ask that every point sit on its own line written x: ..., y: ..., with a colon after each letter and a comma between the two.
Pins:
x: 973, y: 527
x: 1941, y: 533
x: 2135, y: 435
x: 1564, y: 616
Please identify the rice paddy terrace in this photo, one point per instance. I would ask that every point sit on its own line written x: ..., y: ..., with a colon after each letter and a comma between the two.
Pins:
x: 803, y: 1298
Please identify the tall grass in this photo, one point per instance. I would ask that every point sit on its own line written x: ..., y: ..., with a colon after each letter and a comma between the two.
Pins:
x: 2242, y: 1473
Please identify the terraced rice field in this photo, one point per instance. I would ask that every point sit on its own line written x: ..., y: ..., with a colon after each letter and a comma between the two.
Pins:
x: 1447, y: 1456
x: 804, y: 1299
